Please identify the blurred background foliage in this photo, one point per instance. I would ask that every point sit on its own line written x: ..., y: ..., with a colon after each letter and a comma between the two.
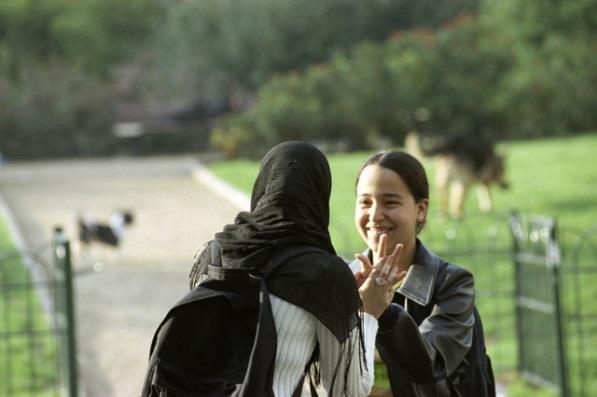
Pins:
x: 239, y: 76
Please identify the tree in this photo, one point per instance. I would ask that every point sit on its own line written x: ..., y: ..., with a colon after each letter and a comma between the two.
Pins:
x: 57, y: 59
x: 551, y: 87
x: 226, y: 45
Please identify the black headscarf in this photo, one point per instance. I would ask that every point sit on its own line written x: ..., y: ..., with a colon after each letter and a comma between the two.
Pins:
x: 290, y: 207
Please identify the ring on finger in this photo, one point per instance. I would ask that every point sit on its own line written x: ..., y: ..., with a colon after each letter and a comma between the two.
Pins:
x: 379, y: 280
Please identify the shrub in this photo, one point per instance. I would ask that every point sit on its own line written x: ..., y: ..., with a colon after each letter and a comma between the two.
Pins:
x: 58, y: 113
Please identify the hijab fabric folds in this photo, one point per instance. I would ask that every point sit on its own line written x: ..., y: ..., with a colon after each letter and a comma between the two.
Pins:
x: 290, y: 207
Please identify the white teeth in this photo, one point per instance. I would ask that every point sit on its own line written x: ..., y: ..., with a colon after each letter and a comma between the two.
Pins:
x: 378, y: 232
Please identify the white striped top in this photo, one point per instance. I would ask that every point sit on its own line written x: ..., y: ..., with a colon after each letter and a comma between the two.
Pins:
x: 298, y: 332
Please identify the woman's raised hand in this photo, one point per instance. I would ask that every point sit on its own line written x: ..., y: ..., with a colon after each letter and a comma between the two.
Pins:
x: 366, y: 266
x: 376, y: 282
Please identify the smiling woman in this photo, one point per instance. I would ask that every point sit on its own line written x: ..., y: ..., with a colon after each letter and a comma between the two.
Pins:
x: 430, y: 337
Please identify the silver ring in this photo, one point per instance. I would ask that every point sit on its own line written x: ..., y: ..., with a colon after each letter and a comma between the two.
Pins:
x: 379, y: 280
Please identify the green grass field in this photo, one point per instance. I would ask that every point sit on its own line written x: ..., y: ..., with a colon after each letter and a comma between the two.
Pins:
x: 556, y: 177
x: 553, y: 177
x: 27, y: 348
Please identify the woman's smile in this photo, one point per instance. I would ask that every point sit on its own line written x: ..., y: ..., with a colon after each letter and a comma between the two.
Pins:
x: 376, y: 231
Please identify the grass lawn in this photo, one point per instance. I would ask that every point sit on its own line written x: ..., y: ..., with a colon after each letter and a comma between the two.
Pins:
x: 555, y: 177
x: 27, y: 347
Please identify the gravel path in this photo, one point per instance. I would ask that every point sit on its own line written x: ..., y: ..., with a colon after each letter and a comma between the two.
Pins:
x: 119, y: 307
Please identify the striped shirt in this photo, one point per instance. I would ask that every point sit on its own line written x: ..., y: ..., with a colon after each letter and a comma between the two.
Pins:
x: 298, y: 331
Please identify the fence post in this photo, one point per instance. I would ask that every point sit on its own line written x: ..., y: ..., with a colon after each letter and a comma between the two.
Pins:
x: 66, y: 310
x: 538, y: 309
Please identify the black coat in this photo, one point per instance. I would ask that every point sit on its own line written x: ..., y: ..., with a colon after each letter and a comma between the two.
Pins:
x: 431, y: 337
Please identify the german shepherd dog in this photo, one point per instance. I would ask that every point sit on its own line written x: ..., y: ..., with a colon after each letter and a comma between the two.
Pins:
x: 460, y: 161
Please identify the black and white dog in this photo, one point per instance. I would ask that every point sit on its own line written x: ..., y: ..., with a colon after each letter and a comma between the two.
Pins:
x: 108, y: 234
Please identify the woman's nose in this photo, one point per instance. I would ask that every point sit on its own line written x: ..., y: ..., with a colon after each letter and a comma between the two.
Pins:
x: 375, y: 213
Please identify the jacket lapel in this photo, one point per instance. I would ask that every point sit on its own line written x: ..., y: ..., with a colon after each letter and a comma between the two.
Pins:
x: 420, y: 280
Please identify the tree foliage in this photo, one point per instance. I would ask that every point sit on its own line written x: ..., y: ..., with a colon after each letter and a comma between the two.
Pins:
x: 518, y: 69
x: 345, y: 70
x: 56, y: 72
x: 93, y: 34
x: 240, y: 45
x: 435, y: 81
x: 552, y: 87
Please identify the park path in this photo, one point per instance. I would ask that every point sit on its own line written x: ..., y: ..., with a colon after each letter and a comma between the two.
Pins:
x: 119, y: 307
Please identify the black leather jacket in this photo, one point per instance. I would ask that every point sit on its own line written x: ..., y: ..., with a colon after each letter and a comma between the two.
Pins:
x: 426, y: 333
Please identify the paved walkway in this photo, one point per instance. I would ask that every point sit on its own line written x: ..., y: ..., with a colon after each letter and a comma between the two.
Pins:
x: 119, y: 307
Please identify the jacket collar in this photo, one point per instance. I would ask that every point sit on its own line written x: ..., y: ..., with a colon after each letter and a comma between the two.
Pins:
x: 420, y: 279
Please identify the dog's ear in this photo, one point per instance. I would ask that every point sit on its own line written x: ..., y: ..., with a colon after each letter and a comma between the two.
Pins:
x: 128, y: 217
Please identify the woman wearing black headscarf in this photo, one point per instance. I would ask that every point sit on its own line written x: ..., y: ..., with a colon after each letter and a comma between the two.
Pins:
x: 309, y: 307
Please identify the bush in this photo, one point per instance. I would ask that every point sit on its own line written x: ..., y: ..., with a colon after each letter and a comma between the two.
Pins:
x: 552, y: 89
x: 58, y: 113
x: 374, y: 93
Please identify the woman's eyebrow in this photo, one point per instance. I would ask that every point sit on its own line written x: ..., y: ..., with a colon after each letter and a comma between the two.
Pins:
x: 384, y: 195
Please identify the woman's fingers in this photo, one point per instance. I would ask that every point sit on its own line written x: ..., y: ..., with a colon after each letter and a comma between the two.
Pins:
x: 377, y: 290
x: 395, y: 255
x: 385, y: 270
x: 376, y: 294
x: 381, y: 247
x: 364, y: 271
x: 396, y: 277
x: 366, y: 265
x: 391, y: 262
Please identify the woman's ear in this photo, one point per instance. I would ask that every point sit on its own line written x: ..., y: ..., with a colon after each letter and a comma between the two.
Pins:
x: 422, y: 208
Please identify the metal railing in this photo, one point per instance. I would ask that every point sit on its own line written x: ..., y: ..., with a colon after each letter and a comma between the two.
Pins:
x: 37, y: 313
x: 487, y: 246
x: 37, y: 329
x: 540, y: 330
x: 64, y: 314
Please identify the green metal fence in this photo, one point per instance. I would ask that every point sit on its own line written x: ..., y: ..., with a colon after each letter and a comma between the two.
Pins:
x: 484, y: 244
x: 37, y: 321
x: 579, y: 302
x: 37, y: 355
x: 64, y: 314
x: 540, y: 329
